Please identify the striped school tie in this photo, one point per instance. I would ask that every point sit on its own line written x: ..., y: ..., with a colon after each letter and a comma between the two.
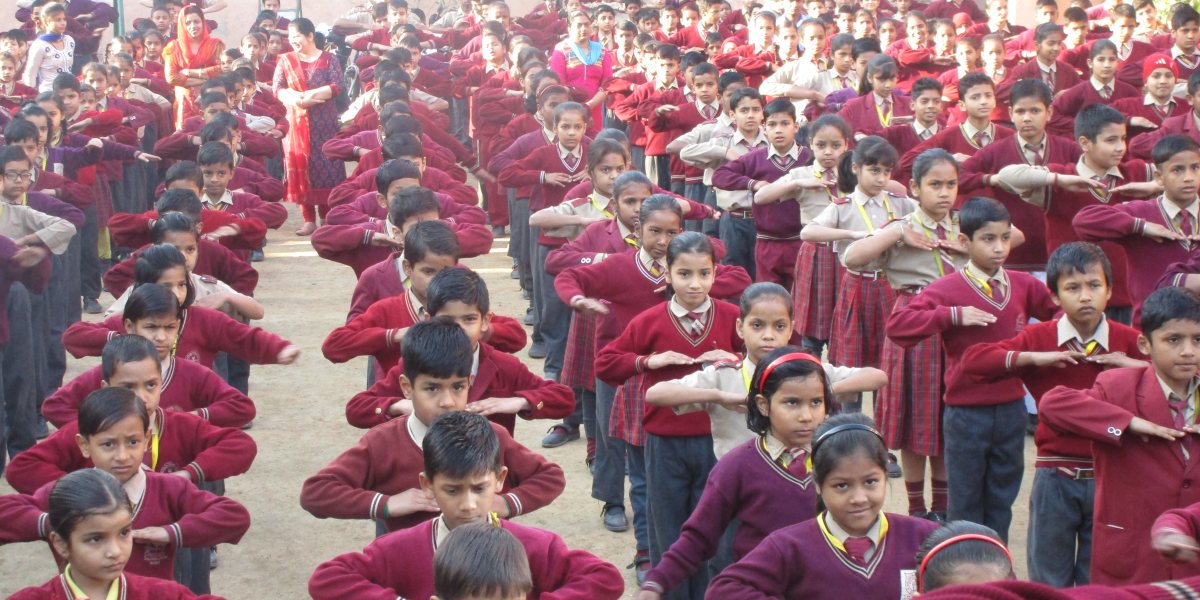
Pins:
x: 1185, y: 223
x: 795, y: 462
x: 697, y: 326
x: 856, y: 549
x: 656, y: 268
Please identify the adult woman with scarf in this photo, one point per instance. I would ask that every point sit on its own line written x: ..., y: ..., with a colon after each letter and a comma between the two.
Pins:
x: 307, y: 80
x: 584, y: 64
x: 53, y: 51
x: 192, y: 58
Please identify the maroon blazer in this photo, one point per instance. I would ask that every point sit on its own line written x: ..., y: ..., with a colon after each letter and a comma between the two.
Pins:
x: 1065, y: 77
x: 1077, y: 98
x: 863, y: 116
x: 1184, y: 124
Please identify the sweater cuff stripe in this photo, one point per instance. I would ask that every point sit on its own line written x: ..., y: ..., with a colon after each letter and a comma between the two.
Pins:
x: 376, y: 503
x: 195, y: 467
x: 514, y: 505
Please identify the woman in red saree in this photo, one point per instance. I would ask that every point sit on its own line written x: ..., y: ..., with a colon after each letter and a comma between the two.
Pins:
x: 307, y: 81
x: 190, y: 60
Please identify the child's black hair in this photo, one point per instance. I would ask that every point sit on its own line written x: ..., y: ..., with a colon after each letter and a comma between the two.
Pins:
x: 460, y: 444
x: 837, y: 42
x: 629, y: 179
x: 842, y: 436
x: 613, y: 135
x: 667, y: 52
x: 880, y: 65
x: 656, y: 203
x: 479, y: 560
x: 601, y: 148
x: 215, y: 153
x: 977, y: 212
x: 1032, y: 88
x: 862, y: 46
x: 152, y: 262
x: 1166, y: 304
x: 172, y: 222
x: 430, y: 237
x: 1092, y: 120
x: 764, y: 289
x: 830, y: 122
x: 11, y: 154
x: 1168, y: 147
x: 403, y: 145
x: 938, y: 570
x: 1183, y: 14
x: 704, y: 68
x: 927, y: 159
x: 971, y: 80
x: 569, y: 107
x: 1193, y: 83
x: 871, y: 150
x: 1045, y: 30
x: 19, y: 131
x: 216, y: 132
x: 436, y: 347
x: 82, y: 494
x: 768, y: 377
x: 65, y: 81
x: 779, y: 106
x: 1101, y: 46
x: 177, y: 200
x: 409, y: 202
x: 741, y: 94
x: 690, y: 242
x: 926, y: 84
x: 728, y: 78
x: 457, y: 284
x: 150, y: 300
x: 1075, y: 257
x: 184, y: 169
x: 394, y: 169
x: 209, y: 98
x: 108, y: 406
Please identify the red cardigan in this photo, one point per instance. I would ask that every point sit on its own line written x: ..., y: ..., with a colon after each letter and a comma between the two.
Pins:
x: 352, y: 245
x: 1183, y: 124
x: 386, y: 461
x: 213, y: 260
x: 951, y: 139
x: 863, y: 115
x: 133, y: 587
x: 1137, y: 478
x: 1069, y: 103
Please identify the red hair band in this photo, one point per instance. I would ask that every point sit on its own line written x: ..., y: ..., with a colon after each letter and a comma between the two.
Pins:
x: 790, y: 356
x: 954, y: 540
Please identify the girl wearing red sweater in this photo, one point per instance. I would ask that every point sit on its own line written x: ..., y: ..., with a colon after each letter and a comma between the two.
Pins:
x: 91, y: 521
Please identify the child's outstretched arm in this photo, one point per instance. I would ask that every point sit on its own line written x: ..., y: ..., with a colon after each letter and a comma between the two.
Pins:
x: 1095, y: 415
x: 849, y: 380
x: 1174, y: 534
x: 693, y: 390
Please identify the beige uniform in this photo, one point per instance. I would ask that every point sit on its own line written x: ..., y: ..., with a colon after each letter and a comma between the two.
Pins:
x: 858, y: 212
x: 714, y: 153
x: 18, y: 221
x: 913, y: 268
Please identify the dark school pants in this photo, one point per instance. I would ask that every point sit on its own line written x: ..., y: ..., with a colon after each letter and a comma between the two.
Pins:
x: 18, y: 419
x: 1060, y: 529
x: 985, y: 460
x: 676, y: 473
x: 738, y: 234
x: 554, y: 320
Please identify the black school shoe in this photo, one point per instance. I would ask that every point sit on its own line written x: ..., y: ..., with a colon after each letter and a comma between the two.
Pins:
x: 92, y: 306
x: 560, y: 434
x: 937, y: 517
x: 893, y: 467
x: 614, y: 518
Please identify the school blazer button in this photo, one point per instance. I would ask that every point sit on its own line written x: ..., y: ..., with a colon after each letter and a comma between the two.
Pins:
x: 1187, y: 484
x: 378, y: 411
x: 540, y: 405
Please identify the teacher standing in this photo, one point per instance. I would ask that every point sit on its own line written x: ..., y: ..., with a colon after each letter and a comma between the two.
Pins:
x: 191, y: 59
x: 583, y: 64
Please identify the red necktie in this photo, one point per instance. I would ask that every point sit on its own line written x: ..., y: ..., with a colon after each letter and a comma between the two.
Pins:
x: 1178, y: 411
x: 1185, y: 223
x: 1106, y: 91
x: 1036, y: 151
x: 844, y: 81
x: 1049, y: 75
x: 709, y: 112
x: 697, y: 322
x: 941, y: 232
x: 570, y: 160
x: 856, y: 549
x: 981, y: 138
x: 797, y: 466
x: 997, y: 288
x: 885, y: 107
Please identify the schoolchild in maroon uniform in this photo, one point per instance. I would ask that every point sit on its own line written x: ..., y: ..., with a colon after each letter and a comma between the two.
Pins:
x: 85, y: 508
x: 879, y: 103
x: 13, y: 93
x: 1185, y: 123
x: 502, y: 388
x: 429, y: 247
x: 852, y: 546
x: 635, y: 110
x: 1047, y: 63
x: 181, y: 443
x: 980, y: 303
x: 915, y: 56
x: 114, y: 433
x: 677, y: 116
x: 1159, y: 103
x: 758, y: 58
x: 1101, y: 88
x: 1157, y: 232
x: 1030, y: 109
x: 666, y: 342
x: 182, y: 144
x: 378, y: 477
x: 203, y: 332
x: 463, y: 469
x: 216, y: 163
x: 777, y: 225
x: 1136, y: 417
x: 928, y: 116
x: 407, y: 146
x: 1185, y: 21
x: 764, y: 484
x: 1069, y: 351
x: 977, y: 98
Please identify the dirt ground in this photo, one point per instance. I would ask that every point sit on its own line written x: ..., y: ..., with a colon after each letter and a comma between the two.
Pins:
x: 301, y: 426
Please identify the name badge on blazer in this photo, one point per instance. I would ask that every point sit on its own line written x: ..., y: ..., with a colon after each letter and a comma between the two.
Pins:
x: 908, y: 584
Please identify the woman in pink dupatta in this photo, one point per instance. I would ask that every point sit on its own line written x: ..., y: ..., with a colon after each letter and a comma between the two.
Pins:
x: 584, y: 64
x: 307, y: 81
x: 191, y: 59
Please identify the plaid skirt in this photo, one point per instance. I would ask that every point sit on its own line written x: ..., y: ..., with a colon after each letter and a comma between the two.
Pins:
x: 814, y: 293
x: 628, y: 407
x: 909, y: 408
x: 861, y: 313
x: 579, y: 368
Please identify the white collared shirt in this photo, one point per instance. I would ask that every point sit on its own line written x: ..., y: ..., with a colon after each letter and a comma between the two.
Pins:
x: 971, y: 130
x: 977, y: 274
x: 793, y: 152
x: 1027, y: 153
x: 417, y: 430
x: 716, y: 107
x: 1087, y: 172
x: 1097, y: 85
x: 1067, y: 333
x: 226, y: 198
x: 879, y: 100
x: 1189, y: 401
x: 838, y: 532
x: 577, y: 152
x: 925, y: 132
x: 1173, y: 210
x: 647, y: 261
x: 681, y: 312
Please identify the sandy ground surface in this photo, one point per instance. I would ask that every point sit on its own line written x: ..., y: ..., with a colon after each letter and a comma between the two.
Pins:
x: 301, y: 426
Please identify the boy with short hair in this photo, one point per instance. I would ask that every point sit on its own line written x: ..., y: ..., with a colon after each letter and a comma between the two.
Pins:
x: 466, y: 461
x: 1181, y: 124
x: 216, y: 165
x: 803, y: 80
x: 1046, y: 64
x: 646, y: 144
x: 984, y: 423
x: 481, y: 562
x: 378, y: 478
x: 977, y: 96
x: 928, y: 117
x: 1069, y: 351
x: 1140, y: 422
x: 1185, y: 30
x: 501, y: 386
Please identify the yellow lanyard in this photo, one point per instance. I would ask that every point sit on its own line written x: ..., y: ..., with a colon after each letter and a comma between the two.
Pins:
x: 746, y: 375
x: 884, y: 119
x: 982, y: 283
x: 603, y: 209
x: 836, y: 543
x: 24, y: 200
x: 1091, y: 347
x: 887, y: 206
x: 154, y: 451
x: 114, y: 589
x: 937, y: 252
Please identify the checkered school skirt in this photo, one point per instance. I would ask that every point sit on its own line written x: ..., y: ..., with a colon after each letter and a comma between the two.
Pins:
x: 860, y: 315
x: 628, y: 408
x: 909, y: 408
x: 579, y: 369
x: 814, y: 293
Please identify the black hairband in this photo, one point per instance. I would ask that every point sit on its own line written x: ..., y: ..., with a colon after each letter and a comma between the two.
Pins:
x: 839, y: 429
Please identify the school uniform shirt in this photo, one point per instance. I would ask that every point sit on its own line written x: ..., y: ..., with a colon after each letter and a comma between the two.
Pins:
x: 18, y: 221
x: 1184, y: 63
x: 1123, y: 224
x: 1083, y: 94
x: 1030, y: 219
x: 692, y: 37
x: 1059, y: 77
x: 1137, y: 478
x: 1185, y: 124
x: 625, y: 105
x: 938, y: 309
x: 776, y: 221
x: 532, y: 170
x: 677, y: 122
x: 521, y: 147
x: 913, y: 268
x: 212, y: 259
x: 495, y: 375
x: 193, y: 518
x: 812, y: 202
x: 1149, y: 109
x: 870, y: 113
x: 14, y: 94
x: 909, y: 135
x: 984, y: 362
x: 352, y: 245
x: 50, y: 206
x: 596, y: 243
x: 387, y: 460
x: 186, y: 442
x: 859, y: 212
x: 677, y: 330
x: 372, y: 332
x: 808, y: 560
x: 203, y: 332
x: 750, y: 484
x: 593, y: 205
x: 963, y: 138
x: 400, y: 564
x: 129, y: 586
x: 808, y: 75
x: 658, y: 131
x: 714, y: 154
x: 382, y: 280
x: 244, y: 205
x: 56, y: 186
x: 185, y: 386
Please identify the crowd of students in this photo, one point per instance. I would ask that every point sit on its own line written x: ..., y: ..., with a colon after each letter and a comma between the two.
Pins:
x: 731, y: 225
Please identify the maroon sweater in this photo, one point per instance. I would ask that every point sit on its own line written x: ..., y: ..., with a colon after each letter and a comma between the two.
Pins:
x: 938, y: 309
x: 186, y: 443
x: 799, y: 562
x: 386, y: 461
x: 213, y: 260
x: 530, y: 170
x: 379, y: 281
x: 952, y: 139
x: 400, y: 564
x: 133, y: 587
x: 1081, y: 95
x: 863, y: 115
x: 186, y: 386
x: 777, y: 220
x: 997, y: 360
x: 352, y: 245
x: 1184, y: 124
